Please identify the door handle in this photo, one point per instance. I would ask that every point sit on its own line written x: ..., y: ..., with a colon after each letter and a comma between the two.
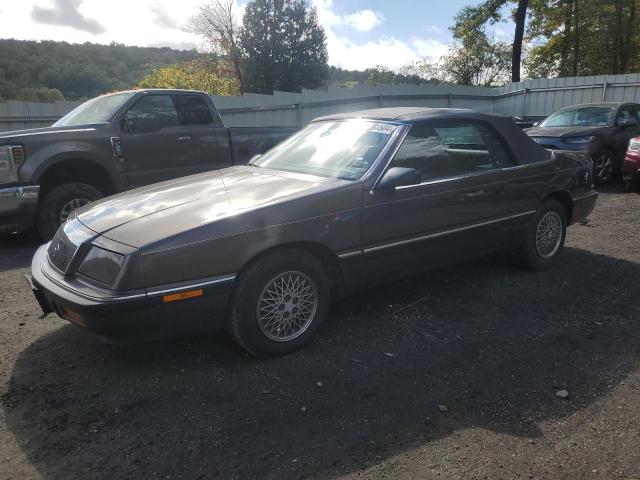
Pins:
x: 184, y: 139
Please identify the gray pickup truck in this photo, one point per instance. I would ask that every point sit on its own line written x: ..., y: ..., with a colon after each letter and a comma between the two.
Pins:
x: 113, y: 143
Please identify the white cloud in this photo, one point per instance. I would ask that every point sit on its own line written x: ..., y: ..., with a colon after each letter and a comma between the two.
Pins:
x: 387, y: 51
x: 364, y: 20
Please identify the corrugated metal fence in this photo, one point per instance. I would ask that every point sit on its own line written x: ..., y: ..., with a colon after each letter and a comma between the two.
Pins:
x: 531, y: 98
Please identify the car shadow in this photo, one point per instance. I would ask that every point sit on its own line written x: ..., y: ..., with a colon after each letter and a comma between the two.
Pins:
x: 479, y: 345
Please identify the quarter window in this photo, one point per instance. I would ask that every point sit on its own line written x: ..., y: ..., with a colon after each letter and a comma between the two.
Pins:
x: 444, y: 150
x: 152, y: 113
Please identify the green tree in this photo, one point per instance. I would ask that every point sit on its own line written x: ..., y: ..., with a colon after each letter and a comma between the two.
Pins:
x: 484, y: 63
x: 283, y: 46
x: 470, y: 22
x: 580, y: 37
x: 213, y: 77
x: 217, y: 23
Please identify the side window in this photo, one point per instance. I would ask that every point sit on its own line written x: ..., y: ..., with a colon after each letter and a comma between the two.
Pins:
x: 443, y: 150
x: 625, y: 113
x: 194, y: 110
x: 152, y: 113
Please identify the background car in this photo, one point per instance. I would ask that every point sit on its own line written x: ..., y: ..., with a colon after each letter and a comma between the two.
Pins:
x: 602, y: 129
x: 631, y: 165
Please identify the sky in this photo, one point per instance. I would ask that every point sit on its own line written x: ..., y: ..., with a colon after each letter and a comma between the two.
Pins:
x: 360, y: 33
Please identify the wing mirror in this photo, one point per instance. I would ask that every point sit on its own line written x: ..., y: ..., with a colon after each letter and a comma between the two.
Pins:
x: 399, y: 177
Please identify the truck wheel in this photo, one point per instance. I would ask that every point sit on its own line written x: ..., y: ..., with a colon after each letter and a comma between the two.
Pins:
x: 54, y: 208
x: 544, y: 236
x: 603, y: 166
x: 279, y: 303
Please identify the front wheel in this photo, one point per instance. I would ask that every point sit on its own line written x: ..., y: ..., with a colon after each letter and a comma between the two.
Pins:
x: 544, y: 236
x: 58, y: 203
x: 279, y: 302
x: 603, y: 166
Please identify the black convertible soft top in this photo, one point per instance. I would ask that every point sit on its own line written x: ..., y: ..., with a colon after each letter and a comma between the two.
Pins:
x: 524, y: 148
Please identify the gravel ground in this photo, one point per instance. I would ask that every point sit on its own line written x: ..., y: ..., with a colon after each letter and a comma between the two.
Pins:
x: 451, y: 374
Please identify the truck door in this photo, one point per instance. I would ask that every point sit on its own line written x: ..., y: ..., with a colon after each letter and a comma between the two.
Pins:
x: 208, y: 137
x: 155, y: 144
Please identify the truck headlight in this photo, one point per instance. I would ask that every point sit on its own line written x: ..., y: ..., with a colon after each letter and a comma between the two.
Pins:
x: 9, y: 162
x: 101, y: 265
x: 586, y: 139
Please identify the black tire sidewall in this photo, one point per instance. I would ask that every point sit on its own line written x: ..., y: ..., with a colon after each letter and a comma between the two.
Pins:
x: 48, y: 214
x: 243, y: 322
x: 531, y: 257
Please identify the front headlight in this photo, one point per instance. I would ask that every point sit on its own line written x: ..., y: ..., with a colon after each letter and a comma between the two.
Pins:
x: 586, y: 139
x: 101, y: 265
x: 8, y: 170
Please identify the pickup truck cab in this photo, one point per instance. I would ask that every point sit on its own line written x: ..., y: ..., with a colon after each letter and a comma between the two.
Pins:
x: 113, y: 143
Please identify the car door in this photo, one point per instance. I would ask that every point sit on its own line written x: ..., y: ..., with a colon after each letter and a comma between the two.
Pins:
x: 456, y: 211
x: 206, y: 134
x: 154, y: 144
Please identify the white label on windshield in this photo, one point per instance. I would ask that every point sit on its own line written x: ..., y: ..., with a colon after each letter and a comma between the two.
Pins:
x: 382, y: 128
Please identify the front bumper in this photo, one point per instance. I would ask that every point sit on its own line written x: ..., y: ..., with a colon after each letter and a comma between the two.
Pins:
x: 17, y: 207
x: 583, y: 206
x: 130, y: 315
x: 631, y: 168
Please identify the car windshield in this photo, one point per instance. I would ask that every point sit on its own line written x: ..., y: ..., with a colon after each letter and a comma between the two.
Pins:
x: 333, y: 149
x: 96, y: 110
x: 592, y: 116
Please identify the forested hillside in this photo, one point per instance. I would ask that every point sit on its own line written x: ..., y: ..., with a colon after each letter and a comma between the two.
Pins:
x: 55, y: 70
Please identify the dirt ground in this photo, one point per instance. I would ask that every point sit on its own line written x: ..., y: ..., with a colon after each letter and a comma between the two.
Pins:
x: 452, y: 374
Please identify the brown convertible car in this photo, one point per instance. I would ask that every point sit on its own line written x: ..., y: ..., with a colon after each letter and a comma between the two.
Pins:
x: 349, y: 201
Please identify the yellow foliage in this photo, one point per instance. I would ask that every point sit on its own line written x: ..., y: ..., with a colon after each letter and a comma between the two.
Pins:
x: 212, y: 77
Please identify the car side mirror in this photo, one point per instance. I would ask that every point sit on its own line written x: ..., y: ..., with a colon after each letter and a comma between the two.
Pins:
x: 627, y: 122
x: 399, y: 177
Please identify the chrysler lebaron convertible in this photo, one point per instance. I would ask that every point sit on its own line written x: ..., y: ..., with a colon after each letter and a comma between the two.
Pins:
x: 349, y: 201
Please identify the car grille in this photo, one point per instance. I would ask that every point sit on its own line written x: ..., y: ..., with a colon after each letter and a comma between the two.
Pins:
x: 61, y: 251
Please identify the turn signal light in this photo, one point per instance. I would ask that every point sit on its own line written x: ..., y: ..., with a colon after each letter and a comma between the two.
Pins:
x: 182, y: 295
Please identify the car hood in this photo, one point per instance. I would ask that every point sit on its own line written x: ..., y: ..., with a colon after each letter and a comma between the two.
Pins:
x: 149, y: 214
x: 559, y: 132
x: 43, y: 133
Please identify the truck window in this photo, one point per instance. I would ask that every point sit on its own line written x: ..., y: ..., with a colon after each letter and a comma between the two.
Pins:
x: 152, y: 113
x: 195, y: 110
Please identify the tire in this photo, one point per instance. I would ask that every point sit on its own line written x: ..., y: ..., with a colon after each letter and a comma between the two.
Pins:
x: 538, y: 255
x: 256, y: 312
x: 604, y: 167
x: 60, y: 201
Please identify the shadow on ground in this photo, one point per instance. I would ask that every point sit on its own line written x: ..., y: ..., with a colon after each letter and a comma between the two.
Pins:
x: 490, y: 342
x: 17, y: 250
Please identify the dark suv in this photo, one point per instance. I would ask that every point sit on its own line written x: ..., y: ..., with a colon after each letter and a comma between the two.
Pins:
x: 602, y: 129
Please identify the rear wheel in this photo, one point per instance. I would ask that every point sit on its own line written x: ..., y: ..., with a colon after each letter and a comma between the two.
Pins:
x: 279, y: 303
x: 603, y: 166
x: 544, y: 236
x: 59, y: 202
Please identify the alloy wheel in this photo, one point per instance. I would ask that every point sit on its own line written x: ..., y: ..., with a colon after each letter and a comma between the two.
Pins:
x: 70, y: 206
x: 287, y: 306
x: 549, y: 234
